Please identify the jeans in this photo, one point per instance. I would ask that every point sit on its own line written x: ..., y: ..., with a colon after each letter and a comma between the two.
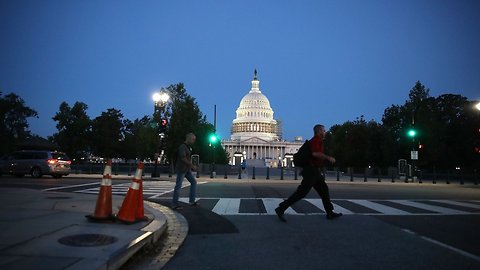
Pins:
x: 312, y: 177
x: 178, y: 186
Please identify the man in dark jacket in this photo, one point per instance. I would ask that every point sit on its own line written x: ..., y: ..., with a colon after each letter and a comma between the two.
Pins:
x: 313, y: 176
x: 183, y: 169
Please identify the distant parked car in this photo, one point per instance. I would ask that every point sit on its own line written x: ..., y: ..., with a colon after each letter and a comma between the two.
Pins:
x: 36, y: 163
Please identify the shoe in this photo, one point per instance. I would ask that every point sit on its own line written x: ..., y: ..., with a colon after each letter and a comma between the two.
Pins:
x: 280, y: 214
x: 177, y: 207
x: 193, y: 204
x: 333, y: 215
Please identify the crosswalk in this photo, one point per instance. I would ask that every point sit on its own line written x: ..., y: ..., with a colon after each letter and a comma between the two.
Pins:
x: 151, y: 190
x: 266, y: 206
x: 307, y: 206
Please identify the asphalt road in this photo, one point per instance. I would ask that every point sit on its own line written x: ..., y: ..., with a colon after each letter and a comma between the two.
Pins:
x: 234, y: 228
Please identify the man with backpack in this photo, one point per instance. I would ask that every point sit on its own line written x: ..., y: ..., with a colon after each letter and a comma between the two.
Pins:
x: 183, y: 169
x: 313, y: 176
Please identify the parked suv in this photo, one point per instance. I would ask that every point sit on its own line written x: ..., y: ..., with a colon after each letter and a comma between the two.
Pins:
x: 36, y: 163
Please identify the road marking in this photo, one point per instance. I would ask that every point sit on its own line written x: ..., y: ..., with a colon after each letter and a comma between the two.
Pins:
x: 469, y: 205
x: 272, y: 203
x: 72, y: 186
x: 464, y: 253
x: 438, y: 209
x: 380, y: 207
x: 227, y: 207
x: 231, y: 206
x: 318, y: 203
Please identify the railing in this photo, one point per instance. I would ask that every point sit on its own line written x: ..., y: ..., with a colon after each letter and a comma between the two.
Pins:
x: 369, y: 174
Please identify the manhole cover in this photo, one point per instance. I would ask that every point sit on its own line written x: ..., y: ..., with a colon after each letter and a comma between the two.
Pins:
x: 59, y: 197
x: 87, y: 240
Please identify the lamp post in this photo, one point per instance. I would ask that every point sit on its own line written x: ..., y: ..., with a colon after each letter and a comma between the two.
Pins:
x: 160, y: 99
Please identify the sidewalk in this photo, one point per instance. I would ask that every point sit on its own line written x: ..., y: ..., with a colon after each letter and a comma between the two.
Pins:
x: 48, y: 230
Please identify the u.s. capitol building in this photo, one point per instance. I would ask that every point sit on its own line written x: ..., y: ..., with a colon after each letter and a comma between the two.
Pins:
x: 256, y: 136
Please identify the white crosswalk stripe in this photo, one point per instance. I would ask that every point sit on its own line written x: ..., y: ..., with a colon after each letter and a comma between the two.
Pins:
x: 272, y: 203
x: 380, y: 207
x: 231, y: 206
x: 151, y: 190
x: 227, y: 207
x: 469, y: 205
x: 434, y: 208
x: 318, y: 203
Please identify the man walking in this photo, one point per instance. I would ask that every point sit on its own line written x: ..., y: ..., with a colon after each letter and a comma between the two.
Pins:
x: 183, y: 169
x: 312, y: 177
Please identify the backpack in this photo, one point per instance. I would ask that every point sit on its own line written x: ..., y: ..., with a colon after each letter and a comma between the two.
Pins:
x: 302, y: 157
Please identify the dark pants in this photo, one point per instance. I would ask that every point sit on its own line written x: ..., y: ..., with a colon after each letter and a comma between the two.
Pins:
x: 312, y: 177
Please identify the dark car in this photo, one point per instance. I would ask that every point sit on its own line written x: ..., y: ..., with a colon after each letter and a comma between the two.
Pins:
x: 36, y: 163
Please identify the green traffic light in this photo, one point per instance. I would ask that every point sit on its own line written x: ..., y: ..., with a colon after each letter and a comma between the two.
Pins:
x: 412, y: 133
x: 213, y: 138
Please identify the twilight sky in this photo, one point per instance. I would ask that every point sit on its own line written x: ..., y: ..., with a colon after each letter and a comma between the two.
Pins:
x: 318, y: 61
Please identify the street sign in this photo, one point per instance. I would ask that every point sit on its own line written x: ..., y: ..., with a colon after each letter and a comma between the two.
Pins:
x: 414, y: 155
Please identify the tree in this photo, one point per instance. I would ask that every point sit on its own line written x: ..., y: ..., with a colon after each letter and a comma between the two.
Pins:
x: 139, y: 139
x: 13, y: 121
x: 74, y: 129
x: 356, y: 143
x: 107, y: 133
x: 185, y: 116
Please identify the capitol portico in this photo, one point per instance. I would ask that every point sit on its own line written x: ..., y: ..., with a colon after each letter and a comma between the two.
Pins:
x: 256, y: 136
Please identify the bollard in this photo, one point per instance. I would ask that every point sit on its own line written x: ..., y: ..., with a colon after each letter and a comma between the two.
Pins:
x: 393, y: 176
x: 116, y: 169
x: 296, y: 174
x: 365, y: 175
x: 281, y: 173
x: 420, y: 177
x: 475, y: 176
x: 170, y: 170
x: 378, y: 171
x: 129, y: 169
x: 338, y: 175
x: 253, y: 172
x: 448, y: 177
x: 351, y: 175
x: 268, y: 173
x: 475, y: 180
x: 239, y: 172
x: 225, y: 176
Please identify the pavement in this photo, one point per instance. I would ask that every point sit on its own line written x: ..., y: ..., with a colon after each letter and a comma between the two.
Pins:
x: 49, y: 230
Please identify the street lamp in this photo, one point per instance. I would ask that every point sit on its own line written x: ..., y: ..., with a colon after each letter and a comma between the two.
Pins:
x: 160, y: 99
x: 478, y: 106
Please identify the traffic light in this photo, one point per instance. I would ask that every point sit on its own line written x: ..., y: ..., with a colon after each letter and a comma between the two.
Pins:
x: 213, y: 138
x: 412, y: 133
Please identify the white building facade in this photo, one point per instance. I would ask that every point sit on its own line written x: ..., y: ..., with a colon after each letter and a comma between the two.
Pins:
x: 256, y: 136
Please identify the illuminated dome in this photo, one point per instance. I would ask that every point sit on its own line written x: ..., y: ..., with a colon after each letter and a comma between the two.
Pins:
x: 254, y: 116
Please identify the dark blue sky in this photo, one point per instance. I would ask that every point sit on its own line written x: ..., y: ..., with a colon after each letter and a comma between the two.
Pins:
x: 318, y: 61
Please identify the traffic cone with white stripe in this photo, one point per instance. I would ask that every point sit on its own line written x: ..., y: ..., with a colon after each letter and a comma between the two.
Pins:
x: 128, y: 211
x: 103, y: 208
x: 140, y: 214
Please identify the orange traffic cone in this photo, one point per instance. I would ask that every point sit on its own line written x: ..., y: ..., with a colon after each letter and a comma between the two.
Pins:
x: 103, y: 208
x: 140, y: 214
x: 128, y: 211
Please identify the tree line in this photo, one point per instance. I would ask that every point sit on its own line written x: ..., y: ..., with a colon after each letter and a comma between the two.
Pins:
x: 112, y: 135
x: 447, y: 132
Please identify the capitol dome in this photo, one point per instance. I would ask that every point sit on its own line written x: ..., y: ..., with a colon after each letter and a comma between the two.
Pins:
x: 254, y: 116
